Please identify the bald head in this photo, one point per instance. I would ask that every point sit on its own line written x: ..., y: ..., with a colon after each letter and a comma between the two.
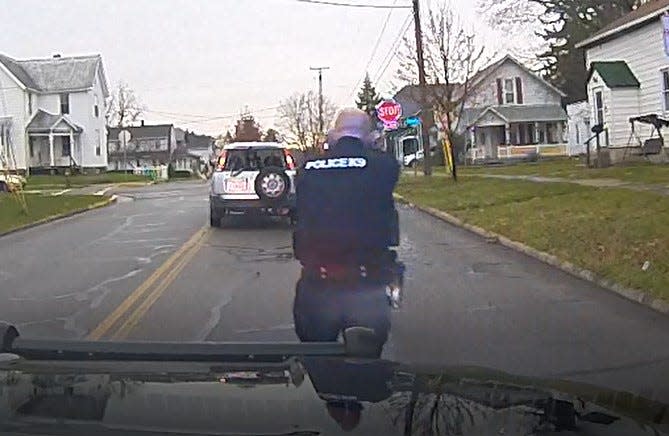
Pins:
x: 351, y: 122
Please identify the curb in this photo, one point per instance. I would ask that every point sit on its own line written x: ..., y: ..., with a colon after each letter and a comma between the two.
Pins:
x: 635, y: 295
x: 100, y: 204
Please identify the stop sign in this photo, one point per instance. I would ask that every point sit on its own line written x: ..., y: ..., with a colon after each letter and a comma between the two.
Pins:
x: 389, y: 111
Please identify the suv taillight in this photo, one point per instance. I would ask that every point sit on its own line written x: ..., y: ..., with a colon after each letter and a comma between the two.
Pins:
x: 221, y: 161
x: 290, y: 161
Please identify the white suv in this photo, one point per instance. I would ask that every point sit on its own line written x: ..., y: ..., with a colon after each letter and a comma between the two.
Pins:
x: 253, y: 177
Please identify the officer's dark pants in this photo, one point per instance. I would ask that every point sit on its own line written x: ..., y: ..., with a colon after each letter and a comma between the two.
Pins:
x: 323, y: 309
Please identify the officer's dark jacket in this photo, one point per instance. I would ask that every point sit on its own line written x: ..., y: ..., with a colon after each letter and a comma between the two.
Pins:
x: 345, y: 207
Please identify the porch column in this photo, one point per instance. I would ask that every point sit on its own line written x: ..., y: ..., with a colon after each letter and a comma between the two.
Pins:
x: 536, y: 132
x: 52, y: 158
x: 507, y: 134
x: 72, y: 147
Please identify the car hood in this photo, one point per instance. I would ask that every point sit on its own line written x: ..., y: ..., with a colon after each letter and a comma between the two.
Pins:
x: 304, y: 397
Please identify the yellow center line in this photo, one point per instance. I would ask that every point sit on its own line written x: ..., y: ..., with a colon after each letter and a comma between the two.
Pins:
x: 104, y: 327
x: 139, y: 312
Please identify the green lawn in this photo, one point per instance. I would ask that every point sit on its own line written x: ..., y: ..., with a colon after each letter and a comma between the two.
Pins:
x: 83, y: 180
x: 39, y: 208
x: 609, y: 231
x: 574, y: 168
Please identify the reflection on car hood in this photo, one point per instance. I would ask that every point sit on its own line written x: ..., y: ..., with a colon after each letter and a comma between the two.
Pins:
x: 304, y: 397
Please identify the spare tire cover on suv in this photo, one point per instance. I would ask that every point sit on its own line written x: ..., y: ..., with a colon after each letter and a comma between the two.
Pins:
x: 272, y: 184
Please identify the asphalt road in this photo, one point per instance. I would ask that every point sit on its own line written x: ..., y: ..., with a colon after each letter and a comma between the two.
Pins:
x: 151, y: 268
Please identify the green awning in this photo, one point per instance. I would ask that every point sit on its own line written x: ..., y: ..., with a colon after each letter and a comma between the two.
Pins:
x: 615, y: 74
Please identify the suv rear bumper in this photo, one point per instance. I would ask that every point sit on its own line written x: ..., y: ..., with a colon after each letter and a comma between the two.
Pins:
x: 220, y: 205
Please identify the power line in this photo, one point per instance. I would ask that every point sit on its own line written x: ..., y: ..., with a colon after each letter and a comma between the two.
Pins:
x: 376, y: 46
x: 204, y: 118
x: 353, y: 5
x: 389, y: 56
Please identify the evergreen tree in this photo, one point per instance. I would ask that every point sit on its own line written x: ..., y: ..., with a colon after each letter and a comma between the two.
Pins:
x: 565, y: 24
x: 367, y: 96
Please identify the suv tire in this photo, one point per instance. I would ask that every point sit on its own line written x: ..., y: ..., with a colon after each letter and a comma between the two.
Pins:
x: 214, y: 217
x: 272, y: 184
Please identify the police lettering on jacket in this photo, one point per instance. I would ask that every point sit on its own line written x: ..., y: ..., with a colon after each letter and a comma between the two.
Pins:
x: 339, y: 162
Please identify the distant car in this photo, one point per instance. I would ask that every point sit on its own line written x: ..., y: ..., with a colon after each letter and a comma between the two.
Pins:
x: 411, y: 160
x: 11, y: 182
x: 253, y: 177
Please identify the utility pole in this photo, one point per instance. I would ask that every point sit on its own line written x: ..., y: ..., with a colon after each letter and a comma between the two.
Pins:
x: 320, y: 95
x: 426, y: 111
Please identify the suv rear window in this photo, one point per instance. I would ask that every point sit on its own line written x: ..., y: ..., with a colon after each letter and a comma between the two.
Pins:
x: 252, y: 159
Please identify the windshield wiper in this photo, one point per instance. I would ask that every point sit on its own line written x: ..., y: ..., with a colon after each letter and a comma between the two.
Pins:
x: 357, y: 343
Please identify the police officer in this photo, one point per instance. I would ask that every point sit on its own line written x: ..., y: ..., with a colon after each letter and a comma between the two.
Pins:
x: 346, y: 224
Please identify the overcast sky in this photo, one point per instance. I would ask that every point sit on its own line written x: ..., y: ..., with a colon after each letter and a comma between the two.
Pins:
x: 195, y: 59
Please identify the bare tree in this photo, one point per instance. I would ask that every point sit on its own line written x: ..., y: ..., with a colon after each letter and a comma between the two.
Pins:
x: 299, y: 118
x: 453, y: 55
x: 124, y: 107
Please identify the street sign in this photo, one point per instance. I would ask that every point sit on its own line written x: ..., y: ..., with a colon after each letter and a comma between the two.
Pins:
x: 412, y: 121
x: 389, y: 112
x: 124, y: 136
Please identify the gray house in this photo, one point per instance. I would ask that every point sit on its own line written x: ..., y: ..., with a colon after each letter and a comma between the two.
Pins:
x: 149, y: 147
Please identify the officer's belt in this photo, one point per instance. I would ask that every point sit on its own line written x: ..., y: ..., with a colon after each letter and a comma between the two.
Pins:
x: 342, y: 273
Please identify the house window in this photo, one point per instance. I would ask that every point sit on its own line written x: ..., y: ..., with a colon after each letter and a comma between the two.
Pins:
x: 64, y: 103
x: 599, y: 108
x: 665, y: 89
x: 31, y: 146
x: 96, y: 107
x: 30, y: 104
x: 509, y: 91
x: 65, y: 140
x: 98, y: 146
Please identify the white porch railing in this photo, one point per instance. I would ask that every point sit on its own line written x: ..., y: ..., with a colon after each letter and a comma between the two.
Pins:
x: 517, y: 151
x: 525, y: 150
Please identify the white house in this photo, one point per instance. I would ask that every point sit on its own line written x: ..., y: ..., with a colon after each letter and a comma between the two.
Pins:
x: 52, y: 113
x: 509, y: 112
x: 628, y: 63
x: 512, y: 111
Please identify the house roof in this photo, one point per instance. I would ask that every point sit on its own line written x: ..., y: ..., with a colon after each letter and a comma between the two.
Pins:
x: 525, y: 113
x: 616, y: 74
x: 44, y: 122
x: 638, y: 17
x: 55, y: 74
x: 139, y: 132
x: 490, y: 69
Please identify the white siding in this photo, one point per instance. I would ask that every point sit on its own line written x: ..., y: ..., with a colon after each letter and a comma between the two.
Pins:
x: 643, y: 50
x: 624, y: 104
x: 13, y: 103
x: 48, y: 102
x: 535, y: 91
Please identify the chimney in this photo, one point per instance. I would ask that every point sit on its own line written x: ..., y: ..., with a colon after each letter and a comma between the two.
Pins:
x: 57, y: 56
x: 142, y: 123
